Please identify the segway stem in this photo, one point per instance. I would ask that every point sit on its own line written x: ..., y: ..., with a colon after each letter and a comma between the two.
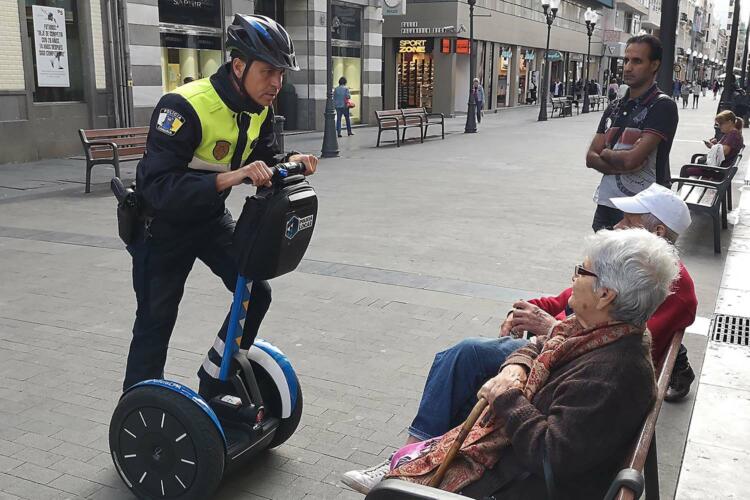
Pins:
x: 234, y: 329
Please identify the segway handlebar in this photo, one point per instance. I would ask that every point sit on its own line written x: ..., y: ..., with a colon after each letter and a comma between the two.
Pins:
x: 283, y: 170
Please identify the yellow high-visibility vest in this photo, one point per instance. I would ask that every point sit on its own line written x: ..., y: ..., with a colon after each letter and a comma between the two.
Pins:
x: 219, y: 127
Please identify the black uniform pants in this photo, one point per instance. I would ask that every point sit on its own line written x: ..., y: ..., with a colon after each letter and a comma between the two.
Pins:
x: 605, y: 217
x: 162, y: 260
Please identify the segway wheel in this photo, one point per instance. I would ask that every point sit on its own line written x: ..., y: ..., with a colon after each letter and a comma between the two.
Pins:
x: 287, y: 426
x: 164, y: 446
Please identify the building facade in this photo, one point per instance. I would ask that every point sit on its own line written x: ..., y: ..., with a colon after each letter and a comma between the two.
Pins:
x: 426, y: 53
x: 114, y: 59
x: 54, y: 76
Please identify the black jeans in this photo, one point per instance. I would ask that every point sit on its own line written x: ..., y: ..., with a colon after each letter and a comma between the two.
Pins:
x: 605, y: 217
x: 162, y: 260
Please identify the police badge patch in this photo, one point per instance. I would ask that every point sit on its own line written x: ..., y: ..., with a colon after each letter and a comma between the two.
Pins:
x: 221, y: 149
x: 169, y: 121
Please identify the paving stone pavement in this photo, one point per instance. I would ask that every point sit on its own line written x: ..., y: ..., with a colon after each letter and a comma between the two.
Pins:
x: 416, y: 248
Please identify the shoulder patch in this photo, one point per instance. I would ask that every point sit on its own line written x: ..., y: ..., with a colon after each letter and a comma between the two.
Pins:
x: 169, y: 121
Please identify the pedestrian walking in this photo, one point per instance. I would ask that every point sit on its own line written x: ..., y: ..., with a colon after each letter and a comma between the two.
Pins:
x: 696, y: 94
x: 612, y: 90
x: 204, y: 138
x: 631, y: 146
x: 716, y: 88
x: 685, y: 93
x: 342, y: 101
x: 676, y: 88
x: 477, y: 93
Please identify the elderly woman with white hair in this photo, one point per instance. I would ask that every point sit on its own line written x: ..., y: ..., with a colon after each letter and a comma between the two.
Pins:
x: 564, y: 410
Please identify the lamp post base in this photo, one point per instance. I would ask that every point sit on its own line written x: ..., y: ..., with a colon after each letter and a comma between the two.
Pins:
x: 330, y: 147
x: 585, y: 102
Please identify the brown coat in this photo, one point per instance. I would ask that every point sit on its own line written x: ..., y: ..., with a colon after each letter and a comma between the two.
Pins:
x: 585, y: 417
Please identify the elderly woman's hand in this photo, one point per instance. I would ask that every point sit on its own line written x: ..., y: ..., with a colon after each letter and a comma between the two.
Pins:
x: 531, y: 318
x: 506, y: 326
x: 512, y: 376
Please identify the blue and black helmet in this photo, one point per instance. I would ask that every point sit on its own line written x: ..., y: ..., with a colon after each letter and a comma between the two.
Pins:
x: 260, y: 38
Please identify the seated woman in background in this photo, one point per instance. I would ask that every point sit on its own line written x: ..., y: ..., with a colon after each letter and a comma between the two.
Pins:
x: 569, y: 405
x: 731, y: 140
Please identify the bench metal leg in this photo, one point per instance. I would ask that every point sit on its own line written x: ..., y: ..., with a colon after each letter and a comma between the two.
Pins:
x: 723, y: 204
x: 729, y: 197
x: 717, y: 232
x: 88, y: 177
x: 651, y: 471
x: 398, y: 143
x: 380, y: 131
x: 117, y: 168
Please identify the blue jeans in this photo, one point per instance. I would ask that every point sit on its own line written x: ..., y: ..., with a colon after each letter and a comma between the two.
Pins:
x: 456, y: 376
x: 345, y: 113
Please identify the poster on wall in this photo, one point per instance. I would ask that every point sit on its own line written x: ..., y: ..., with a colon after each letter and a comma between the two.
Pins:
x: 51, y: 46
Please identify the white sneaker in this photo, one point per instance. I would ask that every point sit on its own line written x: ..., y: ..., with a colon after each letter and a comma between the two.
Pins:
x: 364, y: 480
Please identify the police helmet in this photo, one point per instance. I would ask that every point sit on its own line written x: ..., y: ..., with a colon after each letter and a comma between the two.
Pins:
x: 260, y: 38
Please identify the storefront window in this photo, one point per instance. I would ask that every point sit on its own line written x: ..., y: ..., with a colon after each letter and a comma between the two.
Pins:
x: 415, y: 73
x: 503, y: 74
x: 271, y: 8
x: 58, y: 71
x: 346, y: 48
x: 188, y: 56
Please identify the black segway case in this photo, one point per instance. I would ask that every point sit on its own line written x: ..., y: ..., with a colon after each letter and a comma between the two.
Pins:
x: 275, y: 228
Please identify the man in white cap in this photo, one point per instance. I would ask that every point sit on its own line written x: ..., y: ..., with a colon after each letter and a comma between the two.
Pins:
x: 458, y: 372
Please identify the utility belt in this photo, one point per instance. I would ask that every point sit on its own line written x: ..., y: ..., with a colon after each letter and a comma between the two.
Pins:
x: 129, y: 211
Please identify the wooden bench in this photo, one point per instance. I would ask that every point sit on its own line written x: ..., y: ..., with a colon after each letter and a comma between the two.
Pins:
x: 562, y: 105
x: 640, y: 472
x: 427, y: 119
x: 393, y: 119
x: 709, y: 192
x: 110, y: 146
x: 596, y: 100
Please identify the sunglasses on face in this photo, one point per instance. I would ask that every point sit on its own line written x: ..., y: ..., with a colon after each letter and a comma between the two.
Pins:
x: 581, y: 271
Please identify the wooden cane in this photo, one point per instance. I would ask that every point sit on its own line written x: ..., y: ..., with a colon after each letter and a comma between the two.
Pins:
x: 468, y: 424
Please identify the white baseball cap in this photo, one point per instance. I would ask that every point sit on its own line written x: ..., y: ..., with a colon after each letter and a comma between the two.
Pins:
x: 660, y: 202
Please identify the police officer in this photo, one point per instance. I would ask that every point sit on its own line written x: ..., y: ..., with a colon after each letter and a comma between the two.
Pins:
x: 205, y: 137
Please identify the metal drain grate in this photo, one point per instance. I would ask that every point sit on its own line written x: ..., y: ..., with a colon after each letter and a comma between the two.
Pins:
x: 730, y: 329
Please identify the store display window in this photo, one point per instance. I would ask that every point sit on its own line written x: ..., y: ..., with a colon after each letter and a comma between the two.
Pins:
x: 346, y: 49
x: 415, y: 73
x: 63, y: 56
x: 188, y: 56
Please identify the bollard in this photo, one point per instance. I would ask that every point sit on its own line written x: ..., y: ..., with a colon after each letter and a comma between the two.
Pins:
x: 278, y: 131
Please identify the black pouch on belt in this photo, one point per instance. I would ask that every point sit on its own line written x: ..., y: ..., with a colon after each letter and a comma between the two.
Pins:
x: 127, y: 210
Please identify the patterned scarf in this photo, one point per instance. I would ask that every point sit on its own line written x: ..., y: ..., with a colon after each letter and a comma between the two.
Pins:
x: 487, y: 440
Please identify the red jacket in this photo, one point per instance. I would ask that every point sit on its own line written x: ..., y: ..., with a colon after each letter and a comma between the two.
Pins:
x: 674, y: 314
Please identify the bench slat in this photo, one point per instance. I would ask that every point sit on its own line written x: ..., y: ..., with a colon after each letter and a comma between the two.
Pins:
x: 123, y: 153
x: 114, y: 132
x: 121, y: 141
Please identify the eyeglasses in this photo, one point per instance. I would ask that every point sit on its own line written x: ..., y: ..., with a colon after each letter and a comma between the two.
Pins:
x: 581, y: 271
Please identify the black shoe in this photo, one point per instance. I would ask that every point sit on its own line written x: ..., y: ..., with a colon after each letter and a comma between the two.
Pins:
x: 209, y: 388
x: 679, y: 384
x: 350, y: 133
x: 339, y: 135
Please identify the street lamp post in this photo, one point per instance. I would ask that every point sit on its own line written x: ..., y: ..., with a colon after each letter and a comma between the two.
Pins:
x: 330, y: 147
x: 471, y: 113
x: 591, y: 18
x: 550, y: 12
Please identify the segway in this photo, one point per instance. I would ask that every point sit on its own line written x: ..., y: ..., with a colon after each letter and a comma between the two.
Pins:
x: 166, y: 440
